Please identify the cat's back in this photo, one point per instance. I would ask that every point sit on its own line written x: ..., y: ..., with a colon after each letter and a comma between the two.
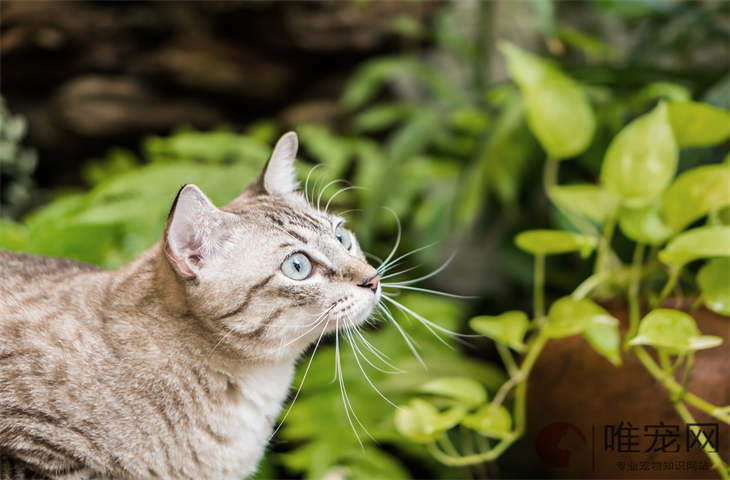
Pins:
x: 20, y: 268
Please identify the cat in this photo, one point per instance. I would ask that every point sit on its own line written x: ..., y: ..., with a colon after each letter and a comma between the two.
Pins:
x: 176, y: 365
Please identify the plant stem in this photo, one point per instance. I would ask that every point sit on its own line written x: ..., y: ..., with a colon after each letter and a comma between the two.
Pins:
x: 633, y: 294
x: 670, y: 384
x: 482, y: 457
x: 604, y: 246
x: 484, y: 44
x: 668, y: 287
x: 538, y: 293
x: 700, y: 435
x: 507, y: 359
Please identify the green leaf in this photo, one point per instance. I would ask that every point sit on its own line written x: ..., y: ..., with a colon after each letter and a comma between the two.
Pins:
x: 558, y: 111
x: 421, y: 422
x: 697, y: 124
x: 13, y: 236
x: 591, y: 201
x: 508, y: 328
x: 605, y: 339
x: 550, y: 242
x: 696, y: 193
x: 494, y: 422
x: 673, y: 330
x: 714, y: 281
x: 644, y: 224
x: 568, y: 316
x: 380, y: 117
x: 703, y: 242
x: 462, y: 389
x: 642, y: 159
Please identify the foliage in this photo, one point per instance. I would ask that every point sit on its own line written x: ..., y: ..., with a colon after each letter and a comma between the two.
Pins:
x: 17, y: 164
x: 637, y: 190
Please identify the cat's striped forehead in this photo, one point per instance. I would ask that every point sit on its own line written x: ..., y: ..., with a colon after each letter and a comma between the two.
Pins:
x: 292, y: 214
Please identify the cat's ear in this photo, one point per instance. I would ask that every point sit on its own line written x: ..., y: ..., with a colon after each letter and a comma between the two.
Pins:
x: 279, y: 176
x: 192, y: 231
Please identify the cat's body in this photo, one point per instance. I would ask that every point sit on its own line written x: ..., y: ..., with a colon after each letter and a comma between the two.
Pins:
x: 177, y: 364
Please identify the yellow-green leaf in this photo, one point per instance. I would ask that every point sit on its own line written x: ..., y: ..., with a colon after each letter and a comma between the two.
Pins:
x: 703, y: 242
x: 508, y: 328
x: 550, y: 242
x: 697, y: 124
x: 644, y: 224
x: 642, y: 159
x: 695, y: 193
x: 568, y: 316
x: 421, y: 422
x: 494, y: 422
x: 558, y: 111
x: 591, y: 201
x: 714, y: 282
x: 462, y: 389
x: 674, y: 330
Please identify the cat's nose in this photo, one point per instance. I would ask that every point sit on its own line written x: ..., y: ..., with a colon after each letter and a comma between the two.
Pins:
x: 371, y: 283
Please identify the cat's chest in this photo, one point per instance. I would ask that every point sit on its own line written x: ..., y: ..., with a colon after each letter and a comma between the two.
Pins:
x: 243, y: 424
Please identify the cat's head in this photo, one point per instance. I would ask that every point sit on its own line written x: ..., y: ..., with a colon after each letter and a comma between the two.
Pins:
x: 268, y: 273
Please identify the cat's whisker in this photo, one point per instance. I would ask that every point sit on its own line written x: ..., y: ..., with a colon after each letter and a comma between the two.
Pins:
x: 306, y: 182
x: 344, y: 189
x: 409, y: 341
x: 304, y: 377
x: 324, y: 189
x: 355, y: 351
x: 343, y: 391
x: 434, y: 273
x: 426, y: 321
x: 320, y: 319
x: 353, y: 339
x: 378, y: 354
x: 374, y: 257
x: 400, y: 286
x: 391, y: 275
x: 408, y: 254
x: 384, y: 264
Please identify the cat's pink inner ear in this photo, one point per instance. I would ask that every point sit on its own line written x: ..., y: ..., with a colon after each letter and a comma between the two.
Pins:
x: 280, y: 176
x: 190, y: 233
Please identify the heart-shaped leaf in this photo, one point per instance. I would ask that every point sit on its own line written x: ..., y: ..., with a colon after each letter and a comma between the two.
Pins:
x: 674, y: 330
x: 714, y: 282
x: 558, y: 111
x: 591, y: 201
x: 695, y: 193
x: 703, y: 242
x: 508, y: 328
x: 421, y: 422
x: 697, y: 124
x: 494, y: 422
x: 644, y: 224
x: 550, y: 242
x: 462, y: 389
x: 568, y: 316
x: 605, y: 339
x: 642, y: 159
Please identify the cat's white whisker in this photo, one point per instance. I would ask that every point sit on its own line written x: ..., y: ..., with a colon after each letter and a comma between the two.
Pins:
x: 384, y: 264
x: 406, y: 255
x: 378, y: 354
x: 409, y: 341
x: 343, y: 391
x: 304, y: 377
x: 434, y: 273
x: 355, y: 351
x: 426, y: 321
x: 353, y: 338
x: 344, y: 189
x: 324, y: 189
x: 400, y: 286
x: 306, y: 182
x: 402, y: 272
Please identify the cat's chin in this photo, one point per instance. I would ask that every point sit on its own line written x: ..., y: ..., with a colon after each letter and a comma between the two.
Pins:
x: 352, y: 312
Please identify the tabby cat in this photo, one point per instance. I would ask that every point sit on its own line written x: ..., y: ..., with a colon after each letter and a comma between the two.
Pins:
x: 177, y: 364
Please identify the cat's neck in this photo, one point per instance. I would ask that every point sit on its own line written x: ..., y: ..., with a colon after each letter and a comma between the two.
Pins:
x: 148, y: 292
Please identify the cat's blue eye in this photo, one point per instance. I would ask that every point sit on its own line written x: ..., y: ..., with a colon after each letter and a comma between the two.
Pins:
x: 297, y: 266
x: 343, y: 236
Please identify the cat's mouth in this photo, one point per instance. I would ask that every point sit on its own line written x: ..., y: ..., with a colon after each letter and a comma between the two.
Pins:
x: 352, y: 311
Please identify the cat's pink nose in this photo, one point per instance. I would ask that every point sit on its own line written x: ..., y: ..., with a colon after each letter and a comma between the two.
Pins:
x: 371, y: 283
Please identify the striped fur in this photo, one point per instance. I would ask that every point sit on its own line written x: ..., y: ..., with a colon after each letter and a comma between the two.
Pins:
x: 168, y: 369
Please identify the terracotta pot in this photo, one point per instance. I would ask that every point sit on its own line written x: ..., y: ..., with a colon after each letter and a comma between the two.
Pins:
x: 577, y: 401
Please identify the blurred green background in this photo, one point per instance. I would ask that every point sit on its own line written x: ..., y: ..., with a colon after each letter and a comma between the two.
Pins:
x: 108, y: 108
